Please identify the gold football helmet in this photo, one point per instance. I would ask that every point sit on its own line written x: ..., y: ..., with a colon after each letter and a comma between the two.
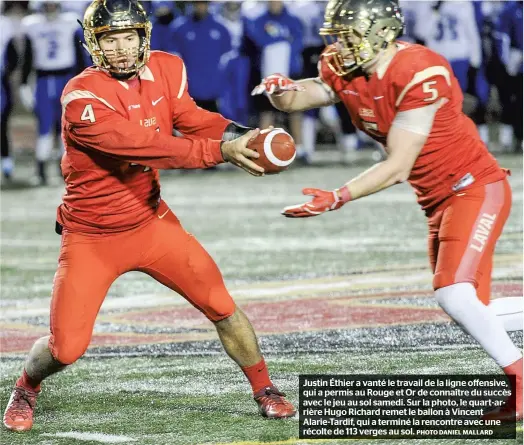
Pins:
x: 104, y: 16
x: 356, y: 30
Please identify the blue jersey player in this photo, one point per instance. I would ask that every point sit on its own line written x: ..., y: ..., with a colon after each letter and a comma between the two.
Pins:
x: 54, y: 53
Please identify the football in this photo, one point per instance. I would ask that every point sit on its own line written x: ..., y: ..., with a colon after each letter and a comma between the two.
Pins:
x: 276, y: 148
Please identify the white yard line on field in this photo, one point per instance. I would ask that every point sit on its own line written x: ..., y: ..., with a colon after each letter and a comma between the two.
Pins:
x: 40, y: 306
x: 274, y: 290
x: 95, y: 437
x: 331, y: 286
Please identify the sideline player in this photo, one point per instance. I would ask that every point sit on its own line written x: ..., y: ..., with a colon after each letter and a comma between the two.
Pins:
x: 53, y: 51
x: 9, y: 60
x: 117, y: 122
x: 406, y: 97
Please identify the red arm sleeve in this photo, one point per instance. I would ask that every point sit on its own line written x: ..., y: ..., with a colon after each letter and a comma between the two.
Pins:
x: 190, y: 119
x: 92, y: 123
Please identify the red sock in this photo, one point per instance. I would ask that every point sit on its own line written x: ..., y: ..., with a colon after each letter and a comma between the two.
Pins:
x: 258, y: 376
x: 28, y: 383
x: 514, y: 369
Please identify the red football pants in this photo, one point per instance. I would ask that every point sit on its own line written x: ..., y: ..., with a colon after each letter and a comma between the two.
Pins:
x: 89, y: 264
x: 463, y: 232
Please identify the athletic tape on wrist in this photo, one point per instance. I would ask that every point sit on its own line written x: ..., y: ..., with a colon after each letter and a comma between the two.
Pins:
x: 345, y: 194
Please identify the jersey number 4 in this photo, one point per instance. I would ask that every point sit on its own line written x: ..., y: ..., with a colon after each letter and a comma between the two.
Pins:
x: 88, y: 114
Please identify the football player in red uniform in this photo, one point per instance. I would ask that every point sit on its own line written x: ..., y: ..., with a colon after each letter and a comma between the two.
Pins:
x: 406, y: 97
x: 117, y: 124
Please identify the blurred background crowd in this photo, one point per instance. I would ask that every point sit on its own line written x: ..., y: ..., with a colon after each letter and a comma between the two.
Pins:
x: 229, y: 46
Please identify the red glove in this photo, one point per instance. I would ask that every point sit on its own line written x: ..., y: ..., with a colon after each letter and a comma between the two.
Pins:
x: 323, y: 201
x: 276, y: 84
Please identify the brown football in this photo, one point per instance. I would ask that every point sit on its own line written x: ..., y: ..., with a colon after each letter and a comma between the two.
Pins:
x: 276, y: 149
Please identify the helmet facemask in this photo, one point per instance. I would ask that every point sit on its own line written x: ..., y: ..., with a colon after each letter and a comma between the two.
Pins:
x: 356, y: 37
x: 103, y: 58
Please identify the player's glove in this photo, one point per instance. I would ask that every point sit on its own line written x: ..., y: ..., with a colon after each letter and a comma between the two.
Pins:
x: 27, y: 97
x: 238, y: 153
x: 276, y: 84
x: 323, y: 201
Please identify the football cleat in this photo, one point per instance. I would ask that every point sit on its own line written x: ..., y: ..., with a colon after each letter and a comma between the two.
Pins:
x: 18, y: 415
x: 272, y: 404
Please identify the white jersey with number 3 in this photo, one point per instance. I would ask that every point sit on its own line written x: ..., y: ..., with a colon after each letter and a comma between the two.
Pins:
x: 452, y: 31
x: 52, y: 41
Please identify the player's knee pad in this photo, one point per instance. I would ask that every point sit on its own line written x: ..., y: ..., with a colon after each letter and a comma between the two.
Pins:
x: 67, y: 351
x: 219, y: 305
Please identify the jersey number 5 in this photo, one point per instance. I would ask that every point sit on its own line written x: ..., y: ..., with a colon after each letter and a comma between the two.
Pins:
x: 426, y: 87
x: 88, y: 114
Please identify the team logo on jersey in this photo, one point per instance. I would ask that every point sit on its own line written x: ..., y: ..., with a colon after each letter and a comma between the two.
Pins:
x: 463, y: 182
x: 366, y: 112
x: 482, y: 231
x: 274, y: 29
x: 148, y: 122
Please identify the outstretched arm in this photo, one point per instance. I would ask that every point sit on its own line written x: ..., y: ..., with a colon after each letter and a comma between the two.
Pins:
x: 288, y: 95
x: 406, y: 138
x: 93, y: 124
x: 404, y: 147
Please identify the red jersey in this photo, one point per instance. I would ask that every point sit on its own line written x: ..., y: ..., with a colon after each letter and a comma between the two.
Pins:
x: 454, y: 157
x: 117, y: 134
